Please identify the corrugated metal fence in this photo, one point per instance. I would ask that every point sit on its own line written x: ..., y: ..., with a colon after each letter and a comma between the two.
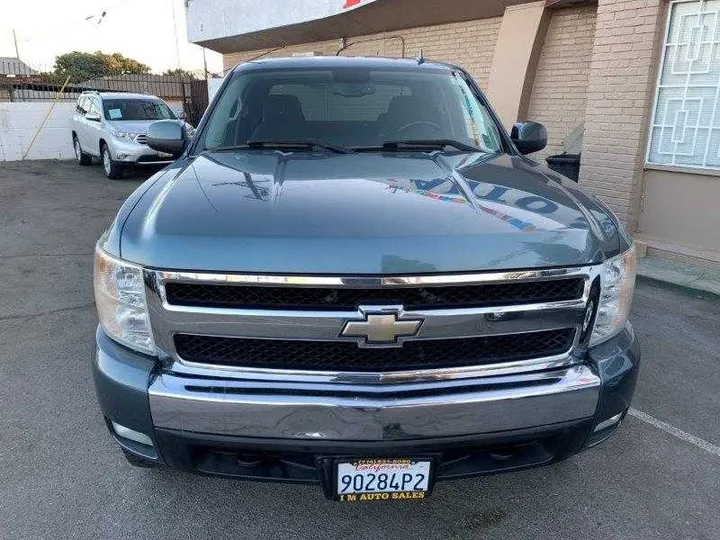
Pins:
x: 184, y: 94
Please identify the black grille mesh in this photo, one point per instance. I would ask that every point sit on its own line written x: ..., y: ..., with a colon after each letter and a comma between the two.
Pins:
x: 483, y: 295
x: 347, y: 356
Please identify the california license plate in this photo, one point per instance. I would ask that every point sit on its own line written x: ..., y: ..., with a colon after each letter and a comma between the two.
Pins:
x: 383, y: 479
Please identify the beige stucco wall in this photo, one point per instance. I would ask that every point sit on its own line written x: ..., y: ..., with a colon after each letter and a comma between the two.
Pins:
x: 469, y: 44
x: 681, y: 208
x: 517, y: 51
x: 558, y: 97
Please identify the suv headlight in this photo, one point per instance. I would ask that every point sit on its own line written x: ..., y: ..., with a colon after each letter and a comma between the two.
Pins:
x: 120, y: 300
x: 125, y: 135
x: 617, y: 282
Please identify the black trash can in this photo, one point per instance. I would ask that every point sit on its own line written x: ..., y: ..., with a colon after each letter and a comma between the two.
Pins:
x: 566, y: 164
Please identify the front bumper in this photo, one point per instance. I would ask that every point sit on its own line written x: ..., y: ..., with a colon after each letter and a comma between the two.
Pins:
x: 292, y: 431
x: 133, y: 153
x: 357, y: 413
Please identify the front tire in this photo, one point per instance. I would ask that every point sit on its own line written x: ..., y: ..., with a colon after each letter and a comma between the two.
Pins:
x: 81, y: 157
x: 112, y: 168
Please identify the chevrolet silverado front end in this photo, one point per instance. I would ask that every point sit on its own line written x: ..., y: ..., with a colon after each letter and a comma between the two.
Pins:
x: 413, y: 301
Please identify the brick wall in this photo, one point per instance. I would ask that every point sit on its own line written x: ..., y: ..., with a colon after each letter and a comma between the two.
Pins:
x: 620, y: 92
x: 469, y: 44
x: 558, y: 94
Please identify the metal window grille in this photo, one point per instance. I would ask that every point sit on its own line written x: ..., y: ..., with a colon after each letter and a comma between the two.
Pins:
x: 685, y: 127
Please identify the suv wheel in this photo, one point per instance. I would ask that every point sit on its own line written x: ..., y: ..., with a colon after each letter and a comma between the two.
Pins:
x: 113, y: 169
x: 81, y: 157
x: 137, y: 461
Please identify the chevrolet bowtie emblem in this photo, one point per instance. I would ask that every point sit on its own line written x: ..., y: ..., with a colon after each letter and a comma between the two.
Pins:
x: 381, y: 329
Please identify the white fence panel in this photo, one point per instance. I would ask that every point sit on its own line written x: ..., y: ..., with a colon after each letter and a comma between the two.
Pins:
x: 19, y: 121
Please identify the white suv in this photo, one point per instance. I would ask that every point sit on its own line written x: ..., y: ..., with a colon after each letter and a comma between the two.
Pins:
x: 113, y: 127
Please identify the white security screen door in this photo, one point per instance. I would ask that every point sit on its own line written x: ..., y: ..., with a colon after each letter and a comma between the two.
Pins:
x: 685, y: 128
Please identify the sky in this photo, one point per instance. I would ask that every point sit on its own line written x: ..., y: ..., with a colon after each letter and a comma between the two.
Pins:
x: 141, y: 29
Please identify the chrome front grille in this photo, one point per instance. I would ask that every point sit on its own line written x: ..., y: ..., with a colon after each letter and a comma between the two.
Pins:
x: 338, y: 356
x: 344, y: 298
x: 291, y: 327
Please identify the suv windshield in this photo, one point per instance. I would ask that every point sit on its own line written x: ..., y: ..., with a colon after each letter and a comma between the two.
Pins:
x: 136, y: 109
x: 349, y: 107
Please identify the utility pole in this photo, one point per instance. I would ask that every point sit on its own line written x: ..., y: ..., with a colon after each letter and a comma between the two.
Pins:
x: 177, y: 46
x: 17, y: 51
x: 205, y: 63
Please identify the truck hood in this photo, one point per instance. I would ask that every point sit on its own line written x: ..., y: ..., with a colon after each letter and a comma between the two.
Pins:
x: 380, y: 213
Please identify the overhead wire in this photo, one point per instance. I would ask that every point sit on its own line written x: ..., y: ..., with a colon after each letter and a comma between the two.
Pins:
x: 100, y: 15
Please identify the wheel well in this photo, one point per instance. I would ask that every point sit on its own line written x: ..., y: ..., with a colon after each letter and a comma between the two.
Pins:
x: 102, y: 143
x: 74, y: 135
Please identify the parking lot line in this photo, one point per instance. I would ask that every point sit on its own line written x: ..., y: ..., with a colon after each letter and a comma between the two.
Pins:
x: 675, y: 432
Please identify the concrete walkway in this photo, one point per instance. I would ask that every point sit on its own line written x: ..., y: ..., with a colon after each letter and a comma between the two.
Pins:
x: 693, y: 279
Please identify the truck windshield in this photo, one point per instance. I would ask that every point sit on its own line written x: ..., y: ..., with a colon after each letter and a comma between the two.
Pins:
x: 136, y: 109
x: 354, y: 108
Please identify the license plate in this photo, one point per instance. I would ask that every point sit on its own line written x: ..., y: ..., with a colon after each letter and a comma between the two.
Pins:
x: 382, y: 479
x: 164, y: 155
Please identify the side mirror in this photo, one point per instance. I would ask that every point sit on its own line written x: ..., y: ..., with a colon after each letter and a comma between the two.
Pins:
x: 181, y: 115
x: 529, y: 137
x: 92, y: 116
x: 167, y: 136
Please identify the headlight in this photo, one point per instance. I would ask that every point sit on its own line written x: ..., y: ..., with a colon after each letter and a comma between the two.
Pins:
x: 120, y: 300
x: 617, y: 282
x: 125, y: 135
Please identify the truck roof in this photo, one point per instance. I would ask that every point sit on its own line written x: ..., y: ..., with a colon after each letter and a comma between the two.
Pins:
x: 330, y: 62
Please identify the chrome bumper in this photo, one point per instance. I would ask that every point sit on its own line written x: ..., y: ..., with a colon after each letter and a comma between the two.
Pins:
x: 440, y: 409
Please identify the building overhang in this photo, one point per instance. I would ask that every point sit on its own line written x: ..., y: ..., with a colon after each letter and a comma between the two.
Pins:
x: 228, y: 26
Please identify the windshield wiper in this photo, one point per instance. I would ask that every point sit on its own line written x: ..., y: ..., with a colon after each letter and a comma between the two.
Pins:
x: 422, y: 144
x: 262, y: 144
x: 228, y: 148
x: 438, y: 143
x: 303, y: 143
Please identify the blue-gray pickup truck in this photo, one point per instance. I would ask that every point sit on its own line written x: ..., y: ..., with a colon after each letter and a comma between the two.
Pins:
x: 352, y: 276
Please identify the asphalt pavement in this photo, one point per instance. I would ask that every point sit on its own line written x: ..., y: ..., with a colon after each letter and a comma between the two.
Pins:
x: 62, y: 476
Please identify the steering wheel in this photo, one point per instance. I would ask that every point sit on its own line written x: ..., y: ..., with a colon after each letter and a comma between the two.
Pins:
x: 418, y: 123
